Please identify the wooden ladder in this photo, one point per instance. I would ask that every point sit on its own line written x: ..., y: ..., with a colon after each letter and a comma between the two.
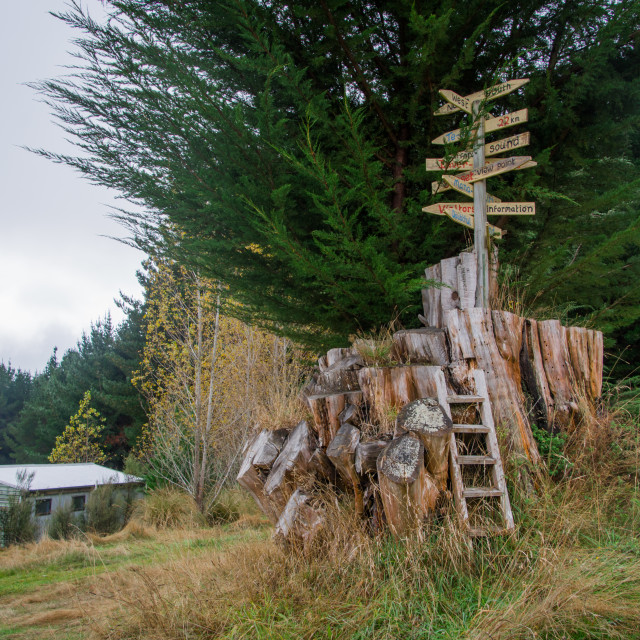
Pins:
x: 498, y: 488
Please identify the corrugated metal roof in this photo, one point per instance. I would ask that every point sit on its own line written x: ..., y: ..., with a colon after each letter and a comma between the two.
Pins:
x: 63, y: 476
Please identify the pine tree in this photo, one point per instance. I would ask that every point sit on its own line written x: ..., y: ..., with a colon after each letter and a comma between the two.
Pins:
x: 279, y: 147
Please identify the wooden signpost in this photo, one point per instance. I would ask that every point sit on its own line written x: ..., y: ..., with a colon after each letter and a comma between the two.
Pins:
x: 472, y: 183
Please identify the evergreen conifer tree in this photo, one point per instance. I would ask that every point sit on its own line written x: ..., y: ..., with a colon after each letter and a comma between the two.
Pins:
x: 279, y: 147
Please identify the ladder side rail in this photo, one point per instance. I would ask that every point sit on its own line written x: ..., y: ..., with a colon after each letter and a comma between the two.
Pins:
x: 497, y: 470
x: 456, y: 475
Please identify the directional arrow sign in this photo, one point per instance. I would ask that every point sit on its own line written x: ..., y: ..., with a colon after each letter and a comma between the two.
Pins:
x: 490, y: 124
x: 511, y: 208
x: 467, y: 220
x: 493, y: 148
x: 465, y: 187
x: 493, y: 208
x: 506, y: 144
x: 441, y: 208
x: 495, y: 168
x: 440, y: 164
x: 491, y: 93
x: 507, y: 120
x: 450, y: 136
x: 456, y: 100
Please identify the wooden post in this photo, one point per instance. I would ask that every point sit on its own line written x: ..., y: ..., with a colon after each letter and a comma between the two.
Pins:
x: 480, y: 214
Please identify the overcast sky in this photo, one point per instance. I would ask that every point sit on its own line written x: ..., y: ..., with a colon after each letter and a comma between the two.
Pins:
x: 58, y: 272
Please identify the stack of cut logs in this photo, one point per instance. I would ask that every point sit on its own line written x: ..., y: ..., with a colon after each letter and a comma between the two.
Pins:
x: 379, y: 434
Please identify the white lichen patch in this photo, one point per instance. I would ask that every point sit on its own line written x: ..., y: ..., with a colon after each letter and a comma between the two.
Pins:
x: 402, y: 458
x: 424, y: 416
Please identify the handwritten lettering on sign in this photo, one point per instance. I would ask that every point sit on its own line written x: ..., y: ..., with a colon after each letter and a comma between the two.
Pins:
x: 441, y: 208
x: 511, y: 209
x: 495, y: 168
x: 490, y: 124
x: 507, y: 120
x: 462, y: 186
x: 491, y: 93
x: 456, y: 100
x: 467, y: 220
x: 507, y: 144
x: 493, y: 208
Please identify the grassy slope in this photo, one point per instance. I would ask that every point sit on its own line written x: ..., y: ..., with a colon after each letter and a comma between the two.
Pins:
x: 571, y: 571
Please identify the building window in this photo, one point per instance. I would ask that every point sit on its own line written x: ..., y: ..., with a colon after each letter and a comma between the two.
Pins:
x: 77, y: 503
x: 43, y: 507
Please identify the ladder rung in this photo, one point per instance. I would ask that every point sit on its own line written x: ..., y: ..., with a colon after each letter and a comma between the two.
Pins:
x: 482, y: 492
x: 464, y: 399
x: 476, y: 460
x: 470, y: 428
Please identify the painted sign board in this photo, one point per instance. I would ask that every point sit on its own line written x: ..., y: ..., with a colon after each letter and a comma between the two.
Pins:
x: 456, y: 100
x: 440, y: 209
x: 495, y: 168
x: 462, y: 186
x: 451, y: 136
x: 491, y: 93
x: 464, y: 159
x: 467, y: 220
x: 511, y: 208
x: 506, y: 144
x: 490, y: 124
x: 493, y: 208
x: 507, y: 120
x: 440, y: 164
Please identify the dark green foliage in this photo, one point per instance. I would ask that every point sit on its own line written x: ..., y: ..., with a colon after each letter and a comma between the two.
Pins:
x: 17, y: 525
x: 107, y: 509
x: 280, y: 146
x: 15, y: 386
x: 103, y: 363
x: 551, y: 448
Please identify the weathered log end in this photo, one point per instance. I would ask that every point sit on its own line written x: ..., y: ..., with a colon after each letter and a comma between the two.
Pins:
x: 342, y: 452
x: 299, y: 523
x: 259, y: 456
x: 408, y: 491
x: 292, y: 463
x: 426, y: 419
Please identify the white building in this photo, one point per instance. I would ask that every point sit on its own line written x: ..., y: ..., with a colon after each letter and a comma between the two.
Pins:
x: 55, y: 486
